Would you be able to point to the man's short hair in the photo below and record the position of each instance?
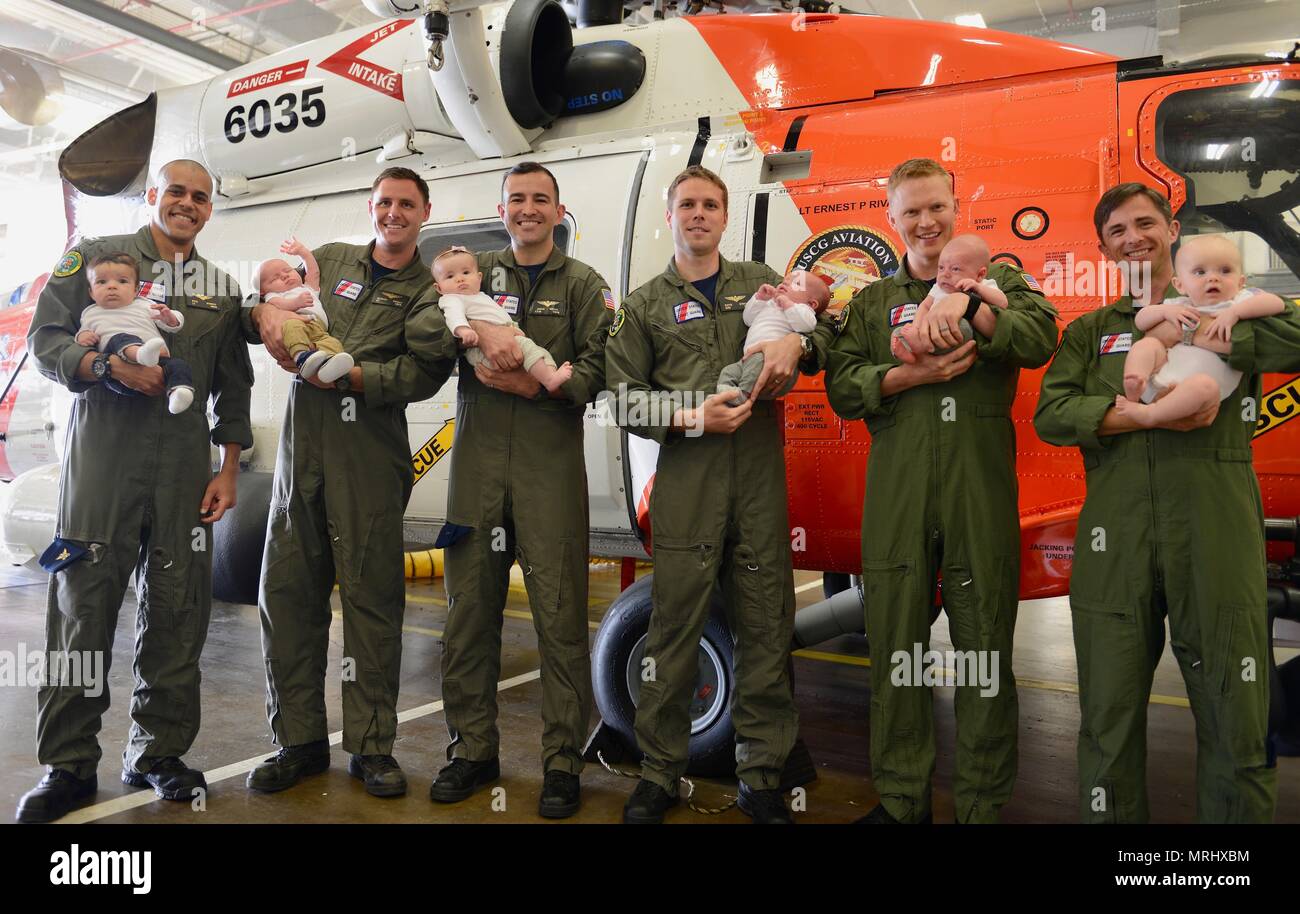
(1120, 194)
(698, 171)
(159, 176)
(912, 169)
(398, 173)
(531, 168)
(117, 257)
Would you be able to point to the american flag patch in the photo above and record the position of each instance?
(608, 296)
(510, 303)
(903, 314)
(1031, 282)
(1115, 342)
(153, 291)
(348, 289)
(687, 311)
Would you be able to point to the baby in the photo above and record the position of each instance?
(127, 326)
(456, 273)
(1165, 378)
(963, 267)
(316, 353)
(773, 312)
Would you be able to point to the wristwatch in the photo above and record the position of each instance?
(972, 307)
(343, 383)
(100, 368)
(805, 347)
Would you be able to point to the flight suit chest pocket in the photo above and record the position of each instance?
(547, 324)
(1106, 378)
(681, 354)
(196, 341)
(378, 326)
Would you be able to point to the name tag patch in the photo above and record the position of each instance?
(391, 299)
(510, 303)
(732, 302)
(349, 289)
(903, 314)
(153, 291)
(688, 310)
(206, 302)
(547, 307)
(1115, 342)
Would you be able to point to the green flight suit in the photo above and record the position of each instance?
(343, 477)
(940, 499)
(1172, 525)
(131, 486)
(519, 479)
(718, 514)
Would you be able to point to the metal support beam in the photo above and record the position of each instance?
(150, 32)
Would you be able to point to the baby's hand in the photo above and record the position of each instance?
(1221, 329)
(293, 246)
(166, 315)
(765, 292)
(1180, 315)
(294, 302)
(969, 286)
(468, 338)
(88, 338)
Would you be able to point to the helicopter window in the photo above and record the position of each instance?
(1238, 147)
(479, 237)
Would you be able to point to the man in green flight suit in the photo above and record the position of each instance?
(1172, 526)
(940, 499)
(138, 494)
(343, 477)
(518, 491)
(718, 507)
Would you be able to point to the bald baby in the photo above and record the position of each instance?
(963, 268)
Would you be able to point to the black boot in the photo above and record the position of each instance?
(765, 807)
(170, 778)
(648, 804)
(289, 766)
(58, 793)
(457, 781)
(382, 775)
(560, 795)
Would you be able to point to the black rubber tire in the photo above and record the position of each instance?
(239, 539)
(713, 750)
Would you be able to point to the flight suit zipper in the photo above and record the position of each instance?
(1155, 512)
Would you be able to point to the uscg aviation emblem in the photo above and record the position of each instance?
(847, 257)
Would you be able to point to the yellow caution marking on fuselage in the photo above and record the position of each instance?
(433, 450)
(1279, 405)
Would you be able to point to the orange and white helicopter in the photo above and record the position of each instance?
(803, 115)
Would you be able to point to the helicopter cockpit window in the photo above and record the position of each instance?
(478, 237)
(1238, 147)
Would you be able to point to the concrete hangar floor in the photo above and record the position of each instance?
(832, 696)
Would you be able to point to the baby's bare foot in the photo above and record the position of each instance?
(1135, 411)
(559, 377)
(1134, 385)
